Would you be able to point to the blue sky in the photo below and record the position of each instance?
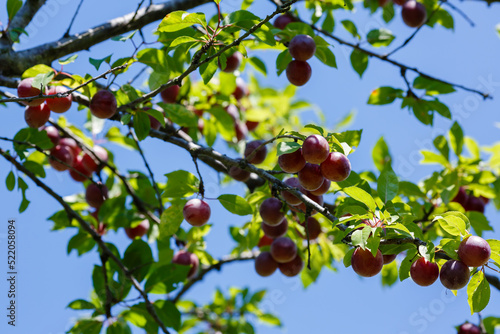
(49, 279)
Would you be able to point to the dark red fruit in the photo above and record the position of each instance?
(187, 259)
(474, 251)
(336, 167)
(71, 143)
(298, 72)
(241, 130)
(323, 189)
(365, 264)
(53, 134)
(103, 104)
(414, 14)
(196, 212)
(484, 199)
(241, 89)
(59, 104)
(282, 21)
(264, 241)
(96, 194)
(25, 89)
(239, 174)
(275, 231)
(314, 228)
(292, 162)
(265, 265)
(292, 268)
(251, 125)
(315, 149)
(382, 3)
(288, 196)
(64, 154)
(310, 177)
(469, 328)
(169, 94)
(283, 250)
(37, 116)
(138, 231)
(88, 161)
(399, 2)
(155, 124)
(389, 258)
(78, 167)
(454, 274)
(233, 62)
(424, 272)
(474, 204)
(302, 47)
(259, 155)
(461, 197)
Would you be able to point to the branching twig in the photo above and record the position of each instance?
(66, 34)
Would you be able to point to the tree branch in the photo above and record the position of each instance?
(23, 18)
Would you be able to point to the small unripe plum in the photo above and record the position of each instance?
(288, 196)
(310, 177)
(389, 258)
(37, 116)
(251, 125)
(138, 231)
(71, 143)
(239, 174)
(312, 227)
(241, 130)
(275, 231)
(365, 264)
(265, 265)
(196, 212)
(298, 72)
(424, 272)
(241, 89)
(469, 328)
(187, 259)
(282, 21)
(25, 89)
(78, 167)
(103, 104)
(59, 104)
(315, 149)
(265, 241)
(88, 161)
(454, 274)
(302, 47)
(336, 167)
(474, 204)
(260, 155)
(233, 62)
(325, 186)
(292, 162)
(96, 194)
(474, 251)
(270, 211)
(414, 13)
(170, 94)
(64, 154)
(292, 268)
(53, 134)
(283, 250)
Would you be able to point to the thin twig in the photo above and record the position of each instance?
(66, 34)
(460, 12)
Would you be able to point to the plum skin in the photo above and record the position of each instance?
(196, 212)
(454, 274)
(365, 264)
(474, 251)
(138, 231)
(423, 272)
(265, 265)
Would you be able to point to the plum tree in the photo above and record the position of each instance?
(103, 104)
(474, 251)
(454, 274)
(138, 230)
(365, 264)
(196, 212)
(186, 258)
(424, 272)
(302, 47)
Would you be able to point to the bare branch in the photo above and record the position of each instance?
(23, 17)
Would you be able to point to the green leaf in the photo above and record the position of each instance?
(441, 144)
(207, 70)
(97, 62)
(389, 274)
(495, 250)
(270, 319)
(384, 95)
(387, 185)
(362, 196)
(380, 37)
(35, 70)
(43, 80)
(10, 181)
(478, 292)
(171, 219)
(168, 313)
(138, 257)
(119, 326)
(404, 268)
(282, 61)
(235, 204)
(258, 64)
(86, 326)
(359, 61)
(456, 138)
(433, 158)
(68, 60)
(179, 20)
(351, 27)
(432, 87)
(81, 304)
(13, 7)
(320, 130)
(479, 222)
(180, 184)
(453, 225)
(123, 38)
(286, 147)
(380, 155)
(329, 22)
(348, 256)
(183, 39)
(82, 242)
(180, 115)
(142, 125)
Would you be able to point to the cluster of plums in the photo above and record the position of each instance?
(301, 48)
(470, 202)
(473, 251)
